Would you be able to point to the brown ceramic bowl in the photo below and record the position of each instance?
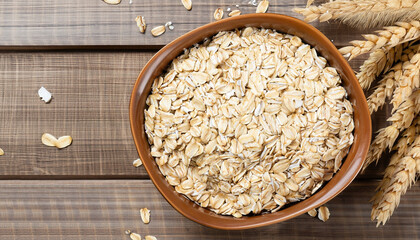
(281, 23)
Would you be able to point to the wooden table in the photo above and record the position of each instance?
(88, 54)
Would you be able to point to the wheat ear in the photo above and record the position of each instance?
(309, 3)
(388, 38)
(384, 89)
(407, 138)
(401, 119)
(409, 80)
(402, 176)
(379, 61)
(363, 13)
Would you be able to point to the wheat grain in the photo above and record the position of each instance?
(309, 3)
(401, 119)
(386, 39)
(384, 89)
(379, 61)
(403, 175)
(363, 13)
(409, 79)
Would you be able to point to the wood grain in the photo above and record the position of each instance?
(104, 209)
(94, 23)
(91, 92)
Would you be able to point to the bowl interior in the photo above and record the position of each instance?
(350, 167)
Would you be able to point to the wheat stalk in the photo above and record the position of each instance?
(363, 13)
(379, 61)
(401, 147)
(409, 80)
(404, 77)
(386, 39)
(384, 89)
(401, 119)
(402, 176)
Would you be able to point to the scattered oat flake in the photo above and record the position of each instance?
(159, 30)
(135, 236)
(312, 212)
(137, 162)
(323, 213)
(262, 6)
(235, 13)
(1, 152)
(44, 95)
(145, 215)
(141, 23)
(187, 4)
(253, 2)
(218, 14)
(150, 237)
(112, 2)
(64, 141)
(51, 141)
(169, 25)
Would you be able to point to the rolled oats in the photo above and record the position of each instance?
(187, 4)
(249, 121)
(235, 13)
(145, 215)
(262, 6)
(157, 31)
(218, 14)
(141, 23)
(323, 213)
(135, 236)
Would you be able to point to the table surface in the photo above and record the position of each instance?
(89, 54)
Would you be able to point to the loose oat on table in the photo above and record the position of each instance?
(45, 95)
(112, 2)
(323, 213)
(62, 142)
(150, 237)
(1, 152)
(141, 23)
(312, 213)
(145, 215)
(218, 14)
(159, 30)
(248, 121)
(235, 13)
(187, 4)
(262, 6)
(135, 236)
(137, 162)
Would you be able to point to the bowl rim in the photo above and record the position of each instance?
(201, 215)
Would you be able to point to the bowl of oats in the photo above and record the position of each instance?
(249, 121)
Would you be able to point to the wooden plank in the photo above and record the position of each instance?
(79, 22)
(104, 209)
(91, 93)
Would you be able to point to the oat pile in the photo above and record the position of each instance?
(248, 121)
